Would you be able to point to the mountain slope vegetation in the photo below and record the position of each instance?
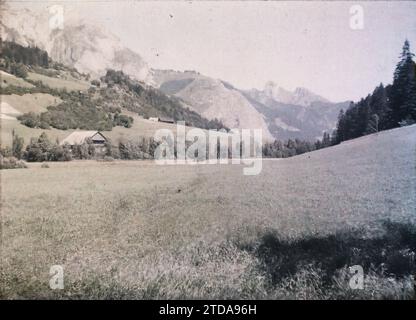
(148, 101)
(99, 106)
(387, 107)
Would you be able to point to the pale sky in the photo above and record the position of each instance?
(307, 44)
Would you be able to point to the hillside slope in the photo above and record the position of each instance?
(295, 114)
(212, 98)
(281, 114)
(58, 99)
(109, 216)
(361, 181)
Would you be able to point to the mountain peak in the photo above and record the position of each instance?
(302, 90)
(300, 96)
(273, 91)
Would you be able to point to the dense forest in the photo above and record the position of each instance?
(386, 108)
(16, 58)
(33, 56)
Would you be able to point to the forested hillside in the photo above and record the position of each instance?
(387, 107)
(149, 102)
(99, 107)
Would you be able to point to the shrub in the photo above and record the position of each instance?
(85, 150)
(41, 149)
(60, 153)
(38, 149)
(111, 151)
(19, 70)
(44, 165)
(96, 83)
(108, 159)
(130, 150)
(122, 120)
(6, 151)
(17, 145)
(30, 119)
(11, 163)
(407, 122)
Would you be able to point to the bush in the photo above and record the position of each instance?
(407, 122)
(290, 148)
(41, 149)
(6, 151)
(19, 70)
(17, 145)
(96, 83)
(11, 163)
(122, 120)
(111, 151)
(108, 159)
(30, 119)
(44, 165)
(84, 151)
(140, 150)
(60, 153)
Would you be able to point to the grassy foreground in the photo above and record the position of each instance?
(138, 230)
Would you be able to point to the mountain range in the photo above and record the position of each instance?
(87, 47)
(91, 49)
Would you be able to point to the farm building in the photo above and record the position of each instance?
(80, 137)
(167, 120)
(162, 119)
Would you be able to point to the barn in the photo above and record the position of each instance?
(162, 119)
(166, 120)
(81, 137)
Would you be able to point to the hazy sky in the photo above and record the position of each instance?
(309, 44)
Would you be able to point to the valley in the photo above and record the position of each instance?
(122, 230)
(107, 114)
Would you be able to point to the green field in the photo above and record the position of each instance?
(67, 82)
(139, 129)
(133, 229)
(8, 79)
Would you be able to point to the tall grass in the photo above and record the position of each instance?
(266, 267)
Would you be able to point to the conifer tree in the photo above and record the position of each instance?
(402, 96)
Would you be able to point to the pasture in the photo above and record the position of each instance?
(134, 229)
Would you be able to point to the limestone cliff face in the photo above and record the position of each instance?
(87, 47)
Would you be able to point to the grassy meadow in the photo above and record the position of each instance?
(134, 229)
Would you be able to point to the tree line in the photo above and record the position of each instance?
(41, 149)
(16, 58)
(386, 108)
(33, 56)
(289, 148)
